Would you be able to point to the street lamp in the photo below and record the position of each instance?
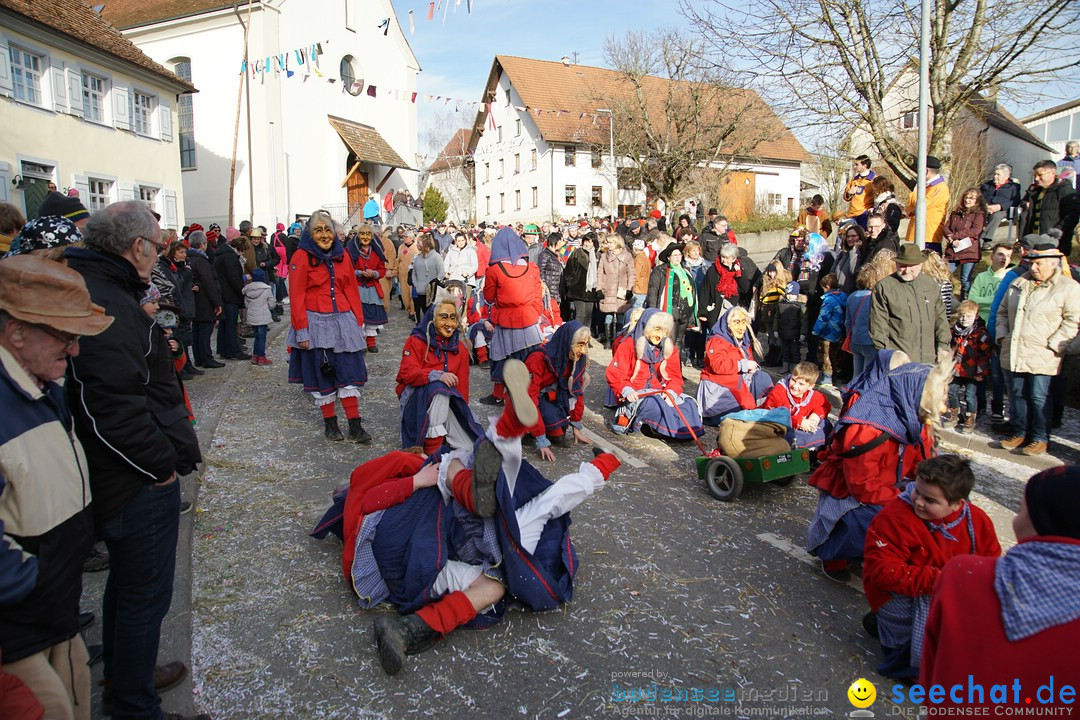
(614, 171)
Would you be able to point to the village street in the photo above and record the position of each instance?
(674, 587)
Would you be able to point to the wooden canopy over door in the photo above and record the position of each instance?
(737, 193)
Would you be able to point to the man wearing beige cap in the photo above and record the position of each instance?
(45, 514)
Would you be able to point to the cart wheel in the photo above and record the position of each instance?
(724, 479)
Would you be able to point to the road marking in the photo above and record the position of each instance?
(790, 548)
(617, 451)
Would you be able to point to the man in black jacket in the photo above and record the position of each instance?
(1001, 194)
(134, 426)
(1050, 204)
(230, 272)
(207, 300)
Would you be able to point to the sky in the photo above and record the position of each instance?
(456, 48)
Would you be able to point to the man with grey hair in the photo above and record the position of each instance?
(207, 300)
(1002, 194)
(130, 416)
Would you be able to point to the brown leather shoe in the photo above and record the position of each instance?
(1012, 443)
(1035, 448)
(166, 677)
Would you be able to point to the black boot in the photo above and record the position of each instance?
(357, 433)
(397, 637)
(333, 432)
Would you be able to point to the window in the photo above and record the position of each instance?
(571, 195)
(186, 120)
(596, 157)
(535, 197)
(142, 112)
(350, 79)
(1058, 130)
(775, 199)
(99, 193)
(517, 199)
(350, 15)
(517, 163)
(517, 128)
(26, 75)
(507, 99)
(502, 202)
(570, 156)
(500, 133)
(487, 172)
(148, 195)
(487, 205)
(909, 120)
(93, 93)
(532, 160)
(502, 167)
(597, 195)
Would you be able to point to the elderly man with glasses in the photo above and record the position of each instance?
(134, 426)
(45, 514)
(1050, 204)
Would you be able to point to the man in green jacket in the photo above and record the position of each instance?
(906, 311)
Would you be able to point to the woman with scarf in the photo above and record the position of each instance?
(645, 375)
(369, 266)
(732, 378)
(1013, 619)
(671, 290)
(578, 285)
(615, 279)
(557, 387)
(326, 340)
(433, 382)
(883, 432)
(514, 293)
(721, 285)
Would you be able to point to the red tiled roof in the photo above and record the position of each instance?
(577, 89)
(455, 152)
(77, 20)
(132, 13)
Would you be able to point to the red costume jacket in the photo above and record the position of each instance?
(310, 288)
(965, 636)
(622, 365)
(541, 377)
(474, 311)
(483, 257)
(376, 485)
(778, 398)
(871, 476)
(722, 367)
(371, 262)
(515, 294)
(418, 359)
(902, 556)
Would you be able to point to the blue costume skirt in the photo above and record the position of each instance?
(476, 329)
(414, 416)
(497, 365)
(374, 314)
(309, 368)
(838, 529)
(717, 400)
(556, 411)
(654, 411)
(802, 439)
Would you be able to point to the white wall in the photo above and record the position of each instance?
(1058, 129)
(299, 160)
(1002, 147)
(57, 135)
(458, 192)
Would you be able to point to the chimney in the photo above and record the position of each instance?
(566, 60)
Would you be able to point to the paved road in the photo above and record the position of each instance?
(675, 588)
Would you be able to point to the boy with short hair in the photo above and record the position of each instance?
(809, 408)
(907, 545)
(971, 350)
(830, 326)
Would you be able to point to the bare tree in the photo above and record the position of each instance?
(835, 61)
(676, 115)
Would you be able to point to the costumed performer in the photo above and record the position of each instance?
(732, 378)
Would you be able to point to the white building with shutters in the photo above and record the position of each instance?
(82, 107)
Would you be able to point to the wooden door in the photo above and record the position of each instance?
(737, 195)
(357, 188)
(34, 192)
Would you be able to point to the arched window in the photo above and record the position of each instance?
(185, 117)
(352, 78)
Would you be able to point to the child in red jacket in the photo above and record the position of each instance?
(809, 408)
(971, 348)
(908, 544)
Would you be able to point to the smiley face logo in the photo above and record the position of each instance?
(862, 693)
